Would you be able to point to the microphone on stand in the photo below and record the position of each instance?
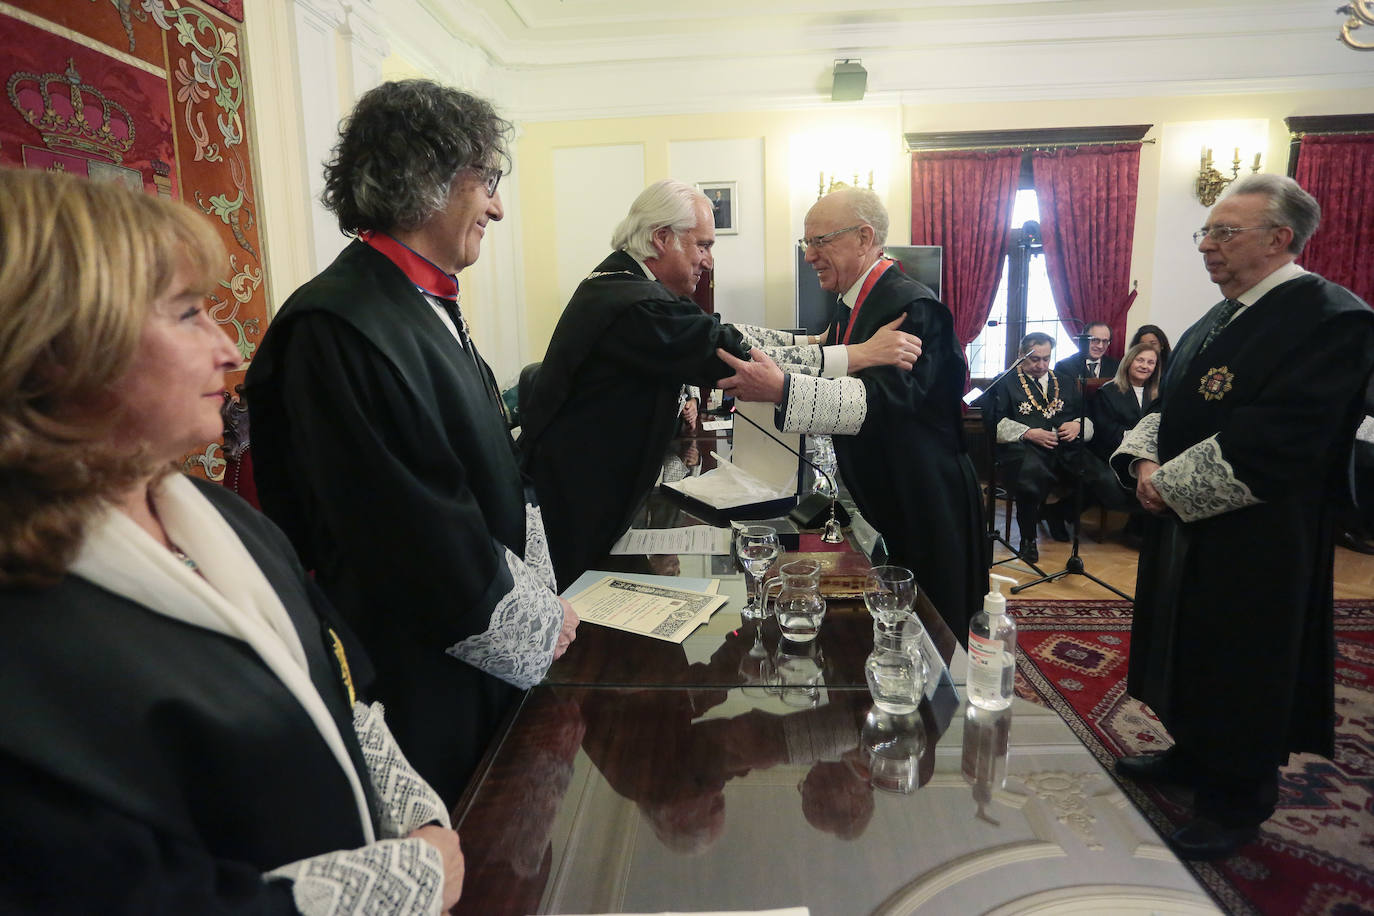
(832, 533)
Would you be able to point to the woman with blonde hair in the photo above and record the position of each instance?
(180, 732)
(1121, 402)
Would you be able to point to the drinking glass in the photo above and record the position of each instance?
(889, 592)
(757, 548)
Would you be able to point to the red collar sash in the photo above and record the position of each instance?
(864, 290)
(421, 271)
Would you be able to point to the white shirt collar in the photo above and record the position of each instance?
(851, 294)
(642, 266)
(1282, 275)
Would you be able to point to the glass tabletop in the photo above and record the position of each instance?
(603, 800)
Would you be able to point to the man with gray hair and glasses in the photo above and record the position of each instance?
(1243, 463)
(608, 394)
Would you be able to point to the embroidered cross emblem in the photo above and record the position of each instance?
(1216, 383)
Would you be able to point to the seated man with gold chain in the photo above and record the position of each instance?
(1038, 426)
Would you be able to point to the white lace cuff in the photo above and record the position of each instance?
(1200, 483)
(405, 801)
(537, 546)
(1141, 440)
(829, 406)
(1008, 430)
(397, 877)
(835, 361)
(518, 643)
(756, 336)
(797, 359)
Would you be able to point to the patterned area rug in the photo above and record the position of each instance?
(1316, 854)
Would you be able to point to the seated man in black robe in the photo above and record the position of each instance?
(1092, 362)
(1038, 429)
(609, 391)
(379, 442)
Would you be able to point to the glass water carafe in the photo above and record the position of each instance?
(799, 606)
(895, 669)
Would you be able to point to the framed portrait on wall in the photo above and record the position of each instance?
(724, 198)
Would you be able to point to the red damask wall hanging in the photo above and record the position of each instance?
(149, 93)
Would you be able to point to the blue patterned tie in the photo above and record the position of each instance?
(1223, 318)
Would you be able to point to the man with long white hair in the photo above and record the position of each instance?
(607, 397)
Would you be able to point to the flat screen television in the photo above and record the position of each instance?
(813, 306)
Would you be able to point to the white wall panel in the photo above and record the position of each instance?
(593, 188)
(739, 258)
(1182, 293)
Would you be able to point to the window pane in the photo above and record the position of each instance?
(1041, 314)
(987, 353)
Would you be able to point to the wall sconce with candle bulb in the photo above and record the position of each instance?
(836, 183)
(1210, 182)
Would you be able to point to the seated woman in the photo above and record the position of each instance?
(180, 734)
(1152, 335)
(1120, 403)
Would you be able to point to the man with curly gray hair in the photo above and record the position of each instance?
(379, 444)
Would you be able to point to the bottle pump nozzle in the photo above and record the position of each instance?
(994, 602)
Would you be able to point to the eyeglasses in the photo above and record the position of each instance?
(1223, 233)
(490, 177)
(1104, 341)
(820, 241)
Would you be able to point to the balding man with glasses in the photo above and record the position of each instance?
(1243, 462)
(898, 431)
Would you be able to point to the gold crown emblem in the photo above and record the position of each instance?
(71, 114)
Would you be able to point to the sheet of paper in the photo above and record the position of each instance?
(693, 539)
(662, 612)
(687, 583)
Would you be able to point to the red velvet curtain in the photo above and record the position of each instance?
(1087, 201)
(962, 200)
(1338, 170)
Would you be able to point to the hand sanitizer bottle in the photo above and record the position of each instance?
(992, 651)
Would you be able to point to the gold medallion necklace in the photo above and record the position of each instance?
(1034, 394)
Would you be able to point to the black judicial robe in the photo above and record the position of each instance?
(907, 467)
(604, 405)
(379, 448)
(1232, 642)
(1112, 414)
(148, 765)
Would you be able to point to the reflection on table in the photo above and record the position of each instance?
(641, 800)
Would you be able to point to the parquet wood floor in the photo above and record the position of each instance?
(1114, 561)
